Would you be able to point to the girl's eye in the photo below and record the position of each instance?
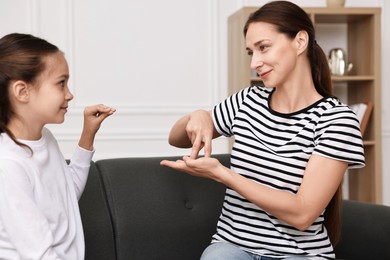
(250, 53)
(62, 83)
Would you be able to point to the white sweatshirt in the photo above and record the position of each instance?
(39, 212)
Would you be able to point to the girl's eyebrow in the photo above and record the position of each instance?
(66, 76)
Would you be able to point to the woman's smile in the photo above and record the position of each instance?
(265, 74)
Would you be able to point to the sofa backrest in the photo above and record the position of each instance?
(133, 208)
(156, 212)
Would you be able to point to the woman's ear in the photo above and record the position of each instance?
(20, 91)
(301, 41)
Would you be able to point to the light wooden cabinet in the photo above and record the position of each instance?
(362, 84)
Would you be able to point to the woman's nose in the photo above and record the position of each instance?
(256, 61)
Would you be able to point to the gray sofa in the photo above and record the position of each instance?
(133, 208)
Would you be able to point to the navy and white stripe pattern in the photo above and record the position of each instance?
(273, 149)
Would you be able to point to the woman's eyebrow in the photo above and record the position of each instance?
(256, 44)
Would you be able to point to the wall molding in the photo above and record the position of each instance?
(157, 110)
(139, 134)
(213, 94)
(117, 135)
(386, 133)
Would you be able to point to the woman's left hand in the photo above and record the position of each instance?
(205, 167)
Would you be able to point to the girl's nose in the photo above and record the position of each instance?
(69, 95)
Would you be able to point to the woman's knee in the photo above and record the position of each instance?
(224, 251)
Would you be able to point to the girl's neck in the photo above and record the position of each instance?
(23, 131)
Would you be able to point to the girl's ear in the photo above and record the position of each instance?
(301, 41)
(20, 91)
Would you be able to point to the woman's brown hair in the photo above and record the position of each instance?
(289, 19)
(21, 58)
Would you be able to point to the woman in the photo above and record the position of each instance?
(293, 144)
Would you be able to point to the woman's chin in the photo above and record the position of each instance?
(268, 84)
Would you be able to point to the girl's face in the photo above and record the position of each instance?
(50, 96)
(273, 54)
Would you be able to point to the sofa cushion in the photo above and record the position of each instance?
(157, 212)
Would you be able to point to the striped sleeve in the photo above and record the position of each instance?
(338, 137)
(224, 112)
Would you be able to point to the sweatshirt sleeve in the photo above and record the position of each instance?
(79, 167)
(21, 222)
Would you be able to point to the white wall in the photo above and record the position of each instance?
(152, 60)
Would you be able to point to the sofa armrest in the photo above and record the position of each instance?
(95, 215)
(365, 232)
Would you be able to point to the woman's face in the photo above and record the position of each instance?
(273, 54)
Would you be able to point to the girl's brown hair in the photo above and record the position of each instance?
(21, 58)
(289, 19)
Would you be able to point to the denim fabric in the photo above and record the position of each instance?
(227, 251)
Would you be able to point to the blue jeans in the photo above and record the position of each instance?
(227, 251)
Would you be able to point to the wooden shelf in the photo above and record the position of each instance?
(335, 79)
(352, 78)
(340, 15)
(362, 84)
(368, 142)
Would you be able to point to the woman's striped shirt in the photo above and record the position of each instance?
(273, 149)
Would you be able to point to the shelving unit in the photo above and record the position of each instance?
(362, 84)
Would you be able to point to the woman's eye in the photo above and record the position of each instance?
(62, 83)
(263, 47)
(250, 53)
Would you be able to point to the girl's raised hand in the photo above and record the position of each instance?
(93, 117)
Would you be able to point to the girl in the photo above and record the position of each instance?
(293, 143)
(39, 191)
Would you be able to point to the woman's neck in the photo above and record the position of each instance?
(292, 97)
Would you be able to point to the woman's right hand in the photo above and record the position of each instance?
(195, 130)
(200, 131)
